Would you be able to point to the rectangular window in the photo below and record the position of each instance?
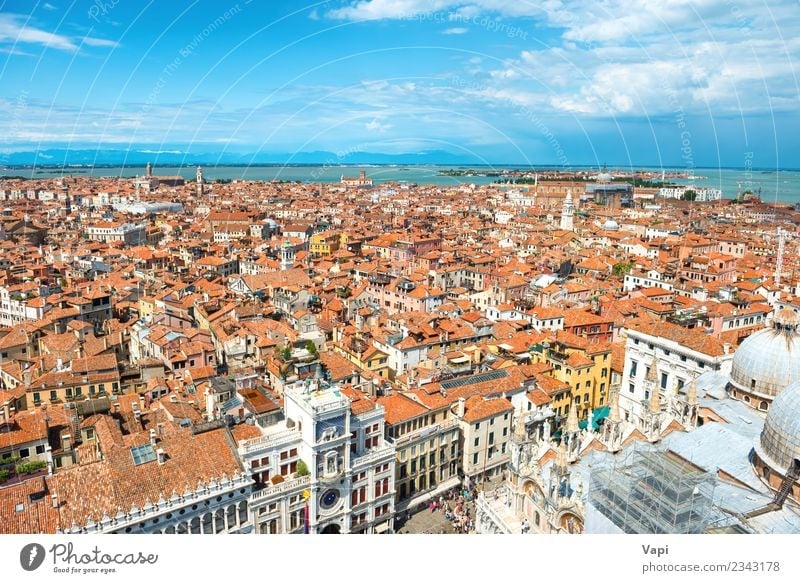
(477, 441)
(634, 366)
(491, 438)
(664, 379)
(475, 458)
(631, 388)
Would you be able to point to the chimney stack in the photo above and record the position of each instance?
(152, 437)
(461, 407)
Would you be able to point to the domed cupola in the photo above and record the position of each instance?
(778, 450)
(767, 362)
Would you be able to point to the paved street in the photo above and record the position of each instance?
(427, 522)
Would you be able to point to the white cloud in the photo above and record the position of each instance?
(378, 127)
(14, 31)
(99, 42)
(388, 9)
(456, 30)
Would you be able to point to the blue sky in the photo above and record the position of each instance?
(623, 82)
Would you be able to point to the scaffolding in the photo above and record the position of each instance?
(652, 491)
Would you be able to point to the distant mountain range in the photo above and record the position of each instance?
(64, 157)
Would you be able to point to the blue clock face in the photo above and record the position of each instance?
(329, 498)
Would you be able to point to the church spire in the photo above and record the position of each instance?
(691, 395)
(567, 212)
(652, 371)
(614, 416)
(655, 401)
(572, 421)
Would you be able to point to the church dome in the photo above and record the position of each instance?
(768, 361)
(604, 177)
(780, 438)
(611, 225)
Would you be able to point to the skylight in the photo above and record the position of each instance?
(143, 454)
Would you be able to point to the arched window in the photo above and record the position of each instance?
(232, 515)
(183, 528)
(330, 463)
(169, 530)
(208, 526)
(536, 518)
(219, 520)
(763, 405)
(242, 512)
(766, 473)
(195, 525)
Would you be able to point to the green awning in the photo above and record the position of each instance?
(598, 414)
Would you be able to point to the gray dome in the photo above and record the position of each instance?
(780, 439)
(768, 361)
(611, 225)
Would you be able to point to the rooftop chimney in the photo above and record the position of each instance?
(152, 436)
(460, 407)
(162, 456)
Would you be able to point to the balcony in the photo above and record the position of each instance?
(289, 485)
(558, 355)
(270, 441)
(373, 457)
(498, 513)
